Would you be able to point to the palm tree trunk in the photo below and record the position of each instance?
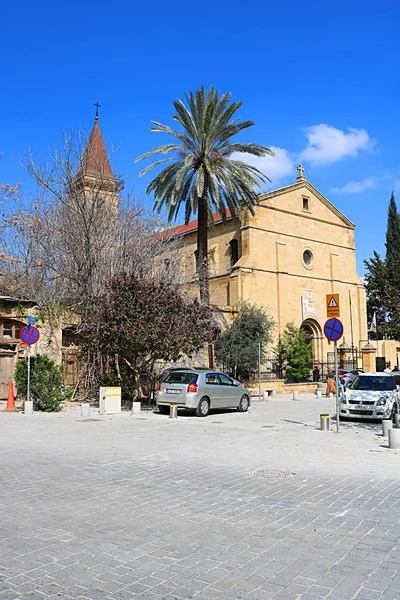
(202, 248)
(202, 260)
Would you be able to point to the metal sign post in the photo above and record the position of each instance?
(337, 389)
(29, 335)
(28, 387)
(333, 330)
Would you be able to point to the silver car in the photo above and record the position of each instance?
(372, 396)
(201, 391)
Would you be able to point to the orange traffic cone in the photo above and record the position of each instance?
(10, 399)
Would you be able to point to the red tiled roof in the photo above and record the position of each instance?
(95, 158)
(192, 225)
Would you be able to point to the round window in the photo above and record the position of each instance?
(307, 257)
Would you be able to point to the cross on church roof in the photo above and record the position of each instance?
(97, 105)
(300, 176)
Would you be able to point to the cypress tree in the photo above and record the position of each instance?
(379, 293)
(382, 279)
(393, 244)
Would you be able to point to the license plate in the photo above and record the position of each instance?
(167, 391)
(363, 407)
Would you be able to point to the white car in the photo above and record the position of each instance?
(372, 396)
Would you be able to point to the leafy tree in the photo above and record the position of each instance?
(279, 364)
(293, 349)
(45, 383)
(237, 347)
(202, 174)
(138, 321)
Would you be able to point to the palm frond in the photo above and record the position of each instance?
(155, 164)
(254, 149)
(165, 149)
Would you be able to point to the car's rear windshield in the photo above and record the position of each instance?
(181, 377)
(373, 383)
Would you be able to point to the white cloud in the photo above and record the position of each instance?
(355, 187)
(275, 167)
(327, 144)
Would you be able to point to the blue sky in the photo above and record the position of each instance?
(320, 80)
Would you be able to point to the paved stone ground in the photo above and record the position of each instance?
(124, 507)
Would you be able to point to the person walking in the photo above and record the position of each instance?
(315, 374)
(330, 386)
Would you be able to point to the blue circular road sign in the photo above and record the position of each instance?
(333, 329)
(29, 335)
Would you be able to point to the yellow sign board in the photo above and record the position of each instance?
(332, 305)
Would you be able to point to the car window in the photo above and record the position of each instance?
(213, 379)
(363, 382)
(397, 378)
(185, 377)
(225, 380)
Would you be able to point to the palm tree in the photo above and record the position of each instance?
(202, 175)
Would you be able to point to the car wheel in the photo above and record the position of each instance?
(203, 408)
(164, 410)
(244, 403)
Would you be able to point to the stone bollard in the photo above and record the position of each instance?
(295, 395)
(397, 421)
(394, 439)
(28, 407)
(318, 394)
(85, 410)
(386, 425)
(136, 408)
(265, 396)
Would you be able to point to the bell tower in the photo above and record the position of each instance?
(95, 178)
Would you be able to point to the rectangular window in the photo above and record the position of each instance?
(184, 378)
(305, 204)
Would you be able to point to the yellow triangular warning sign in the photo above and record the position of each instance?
(332, 303)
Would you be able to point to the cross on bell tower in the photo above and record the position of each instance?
(97, 105)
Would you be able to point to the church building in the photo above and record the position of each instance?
(296, 249)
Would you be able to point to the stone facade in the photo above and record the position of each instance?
(296, 246)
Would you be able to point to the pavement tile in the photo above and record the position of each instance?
(142, 517)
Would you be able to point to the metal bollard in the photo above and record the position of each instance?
(173, 411)
(324, 422)
(295, 395)
(397, 420)
(386, 425)
(318, 394)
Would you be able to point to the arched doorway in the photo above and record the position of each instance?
(313, 334)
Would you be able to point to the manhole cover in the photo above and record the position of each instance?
(89, 420)
(267, 426)
(272, 473)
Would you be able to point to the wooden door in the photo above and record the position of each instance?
(7, 365)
